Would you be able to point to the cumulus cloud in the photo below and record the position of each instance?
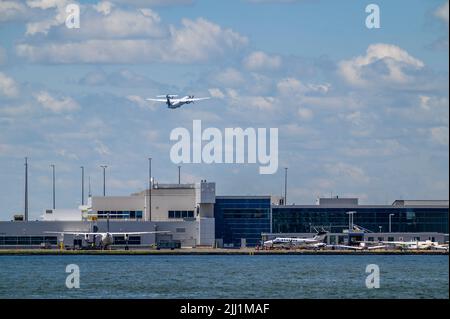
(440, 135)
(293, 87)
(195, 41)
(65, 104)
(305, 114)
(142, 103)
(8, 87)
(354, 173)
(259, 61)
(442, 12)
(382, 62)
(12, 10)
(145, 3)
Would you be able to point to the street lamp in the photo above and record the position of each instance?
(285, 185)
(82, 185)
(54, 192)
(104, 179)
(390, 221)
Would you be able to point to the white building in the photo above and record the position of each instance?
(185, 210)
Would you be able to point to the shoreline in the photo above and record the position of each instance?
(207, 251)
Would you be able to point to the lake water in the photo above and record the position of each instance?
(224, 277)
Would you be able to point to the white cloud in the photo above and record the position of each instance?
(216, 93)
(305, 114)
(104, 7)
(362, 70)
(101, 148)
(199, 39)
(229, 77)
(8, 87)
(442, 12)
(11, 10)
(43, 26)
(142, 103)
(440, 135)
(117, 23)
(195, 41)
(354, 173)
(294, 87)
(66, 104)
(146, 3)
(259, 61)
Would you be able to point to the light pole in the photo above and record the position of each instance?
(149, 192)
(82, 185)
(285, 185)
(390, 221)
(104, 179)
(54, 192)
(26, 189)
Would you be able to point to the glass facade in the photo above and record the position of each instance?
(27, 240)
(241, 217)
(176, 214)
(120, 214)
(405, 219)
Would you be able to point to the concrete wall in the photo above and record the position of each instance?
(164, 200)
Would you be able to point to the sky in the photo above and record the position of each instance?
(360, 112)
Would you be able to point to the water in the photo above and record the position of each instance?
(224, 277)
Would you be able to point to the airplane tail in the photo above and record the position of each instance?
(320, 236)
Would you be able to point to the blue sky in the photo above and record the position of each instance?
(360, 112)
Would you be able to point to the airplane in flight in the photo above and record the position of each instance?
(106, 238)
(317, 241)
(173, 102)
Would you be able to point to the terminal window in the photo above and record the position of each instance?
(172, 214)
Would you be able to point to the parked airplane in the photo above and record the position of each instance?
(106, 238)
(173, 103)
(317, 241)
(361, 246)
(427, 244)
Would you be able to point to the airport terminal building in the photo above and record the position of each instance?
(193, 216)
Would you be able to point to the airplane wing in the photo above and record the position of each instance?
(70, 233)
(199, 99)
(157, 100)
(140, 232)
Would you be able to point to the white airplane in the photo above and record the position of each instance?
(427, 244)
(106, 238)
(173, 102)
(362, 246)
(316, 241)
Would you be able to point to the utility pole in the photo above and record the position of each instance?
(104, 179)
(82, 185)
(26, 189)
(54, 192)
(285, 185)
